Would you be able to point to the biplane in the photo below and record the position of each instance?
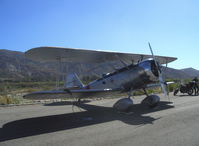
(139, 71)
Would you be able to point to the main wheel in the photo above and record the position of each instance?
(190, 92)
(123, 105)
(151, 101)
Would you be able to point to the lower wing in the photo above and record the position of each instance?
(74, 93)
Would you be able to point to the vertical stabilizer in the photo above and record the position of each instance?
(73, 80)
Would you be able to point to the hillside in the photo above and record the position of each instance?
(176, 74)
(191, 71)
(16, 67)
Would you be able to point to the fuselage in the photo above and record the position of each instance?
(129, 77)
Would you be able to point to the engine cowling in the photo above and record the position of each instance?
(151, 100)
(123, 104)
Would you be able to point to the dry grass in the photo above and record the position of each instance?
(8, 100)
(12, 92)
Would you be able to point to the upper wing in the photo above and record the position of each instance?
(87, 56)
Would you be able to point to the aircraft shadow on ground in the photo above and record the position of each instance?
(93, 115)
(184, 95)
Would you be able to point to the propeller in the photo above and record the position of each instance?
(161, 80)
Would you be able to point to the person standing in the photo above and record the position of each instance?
(196, 88)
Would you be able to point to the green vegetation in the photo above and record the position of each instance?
(12, 92)
(6, 87)
(149, 91)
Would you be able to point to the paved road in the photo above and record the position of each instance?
(98, 124)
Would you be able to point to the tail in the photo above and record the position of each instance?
(73, 80)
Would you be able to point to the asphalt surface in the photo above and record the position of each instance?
(97, 124)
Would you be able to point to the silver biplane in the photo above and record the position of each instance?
(139, 72)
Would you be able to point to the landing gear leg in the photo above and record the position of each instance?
(130, 93)
(145, 92)
(79, 100)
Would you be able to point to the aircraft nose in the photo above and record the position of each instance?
(155, 68)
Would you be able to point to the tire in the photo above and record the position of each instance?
(175, 92)
(190, 92)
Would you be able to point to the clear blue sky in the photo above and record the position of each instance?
(172, 26)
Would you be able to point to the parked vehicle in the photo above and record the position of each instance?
(186, 88)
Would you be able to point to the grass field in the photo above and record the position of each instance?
(12, 92)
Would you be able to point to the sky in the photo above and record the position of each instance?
(171, 26)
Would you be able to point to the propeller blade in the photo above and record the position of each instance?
(161, 80)
(152, 53)
(163, 85)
